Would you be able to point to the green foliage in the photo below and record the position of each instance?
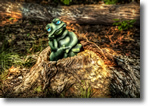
(85, 90)
(124, 25)
(111, 1)
(7, 59)
(28, 34)
(3, 75)
(66, 2)
(38, 89)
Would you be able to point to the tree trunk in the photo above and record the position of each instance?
(94, 72)
(80, 14)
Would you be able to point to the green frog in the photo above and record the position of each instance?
(62, 42)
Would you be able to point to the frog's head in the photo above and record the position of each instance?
(55, 28)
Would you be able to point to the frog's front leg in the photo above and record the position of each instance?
(54, 56)
(53, 44)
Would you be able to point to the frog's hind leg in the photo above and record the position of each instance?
(71, 54)
(65, 55)
(77, 48)
(52, 57)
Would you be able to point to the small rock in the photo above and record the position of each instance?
(10, 77)
(20, 77)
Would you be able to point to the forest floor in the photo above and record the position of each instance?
(21, 43)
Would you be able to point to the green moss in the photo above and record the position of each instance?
(38, 89)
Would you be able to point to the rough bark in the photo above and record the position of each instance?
(84, 75)
(84, 14)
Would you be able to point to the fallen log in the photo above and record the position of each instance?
(80, 14)
(84, 75)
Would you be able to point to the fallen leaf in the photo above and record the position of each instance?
(14, 70)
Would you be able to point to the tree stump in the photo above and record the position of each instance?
(85, 75)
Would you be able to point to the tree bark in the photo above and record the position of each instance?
(80, 14)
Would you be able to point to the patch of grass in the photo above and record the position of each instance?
(7, 59)
(85, 90)
(123, 24)
(111, 1)
(3, 75)
(65, 2)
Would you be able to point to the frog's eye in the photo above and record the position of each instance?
(58, 22)
(49, 29)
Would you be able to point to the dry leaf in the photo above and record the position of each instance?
(14, 70)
